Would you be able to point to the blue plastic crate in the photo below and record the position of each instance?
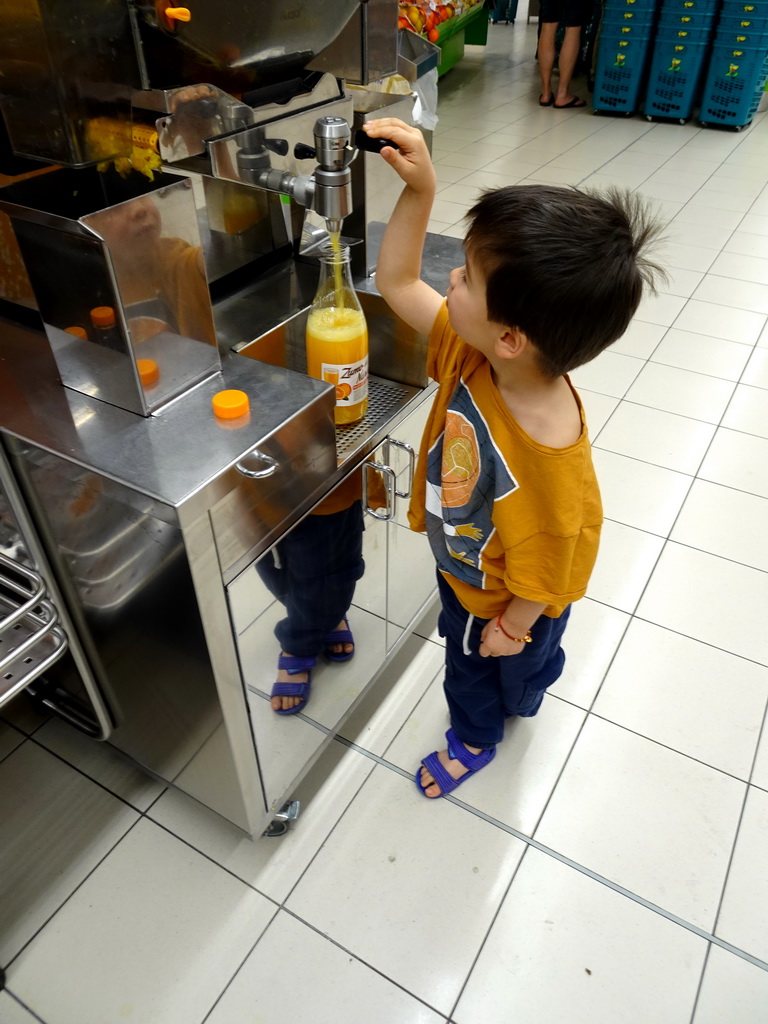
(690, 6)
(742, 22)
(733, 85)
(753, 9)
(683, 34)
(674, 79)
(687, 19)
(630, 5)
(736, 39)
(627, 18)
(620, 66)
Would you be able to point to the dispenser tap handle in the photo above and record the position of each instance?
(367, 144)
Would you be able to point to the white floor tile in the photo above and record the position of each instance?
(680, 282)
(756, 372)
(748, 411)
(609, 374)
(745, 900)
(747, 244)
(297, 976)
(660, 309)
(729, 292)
(613, 960)
(725, 522)
(733, 991)
(681, 391)
(57, 826)
(658, 437)
(11, 1012)
(713, 356)
(710, 599)
(393, 852)
(738, 460)
(639, 340)
(743, 268)
(720, 321)
(157, 931)
(638, 494)
(760, 770)
(516, 786)
(687, 257)
(640, 815)
(625, 561)
(670, 688)
(598, 409)
(593, 635)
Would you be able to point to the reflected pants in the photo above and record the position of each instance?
(483, 692)
(313, 572)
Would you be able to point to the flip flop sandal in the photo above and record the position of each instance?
(575, 102)
(457, 752)
(292, 666)
(338, 636)
(547, 103)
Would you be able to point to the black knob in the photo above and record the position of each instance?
(365, 142)
(304, 152)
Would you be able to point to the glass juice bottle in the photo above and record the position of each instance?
(337, 335)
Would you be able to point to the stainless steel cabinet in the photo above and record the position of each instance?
(397, 583)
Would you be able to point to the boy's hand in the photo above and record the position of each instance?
(411, 161)
(493, 643)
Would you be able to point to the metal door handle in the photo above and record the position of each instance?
(389, 484)
(411, 465)
(257, 474)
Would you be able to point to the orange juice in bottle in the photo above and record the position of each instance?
(337, 336)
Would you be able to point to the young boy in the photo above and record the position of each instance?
(505, 486)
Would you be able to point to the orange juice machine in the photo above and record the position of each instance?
(200, 156)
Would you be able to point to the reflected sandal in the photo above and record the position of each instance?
(457, 752)
(339, 636)
(292, 666)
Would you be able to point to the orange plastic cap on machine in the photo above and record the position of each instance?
(230, 404)
(149, 372)
(79, 332)
(103, 316)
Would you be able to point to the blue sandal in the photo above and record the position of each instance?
(293, 666)
(457, 752)
(338, 636)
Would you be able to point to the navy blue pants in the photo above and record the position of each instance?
(483, 692)
(313, 572)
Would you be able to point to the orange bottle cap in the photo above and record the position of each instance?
(103, 316)
(149, 372)
(228, 405)
(79, 332)
(178, 13)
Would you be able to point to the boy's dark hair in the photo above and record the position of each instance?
(565, 266)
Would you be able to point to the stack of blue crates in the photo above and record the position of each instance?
(623, 47)
(738, 65)
(683, 37)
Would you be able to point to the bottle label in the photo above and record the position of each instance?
(350, 380)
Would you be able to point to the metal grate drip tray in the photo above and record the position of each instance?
(385, 399)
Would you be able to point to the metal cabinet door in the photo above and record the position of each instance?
(286, 745)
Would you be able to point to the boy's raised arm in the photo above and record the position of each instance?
(398, 271)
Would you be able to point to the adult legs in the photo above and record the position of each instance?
(546, 55)
(569, 52)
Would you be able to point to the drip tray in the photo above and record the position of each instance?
(386, 399)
